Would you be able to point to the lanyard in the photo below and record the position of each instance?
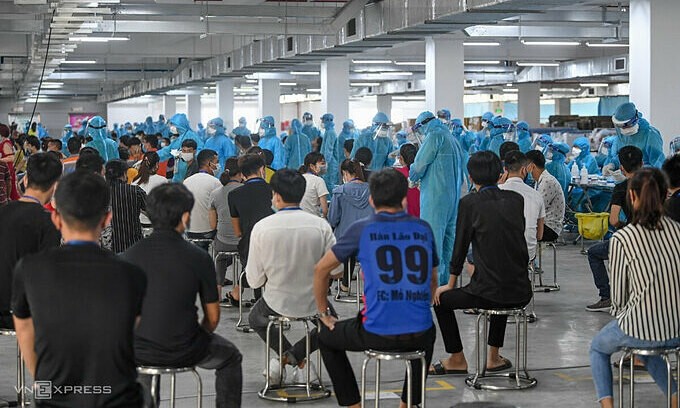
(233, 181)
(32, 198)
(488, 188)
(289, 209)
(77, 242)
(255, 180)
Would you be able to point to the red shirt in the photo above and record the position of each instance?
(412, 196)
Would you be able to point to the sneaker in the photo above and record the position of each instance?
(300, 373)
(275, 374)
(602, 306)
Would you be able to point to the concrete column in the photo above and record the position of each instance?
(563, 106)
(529, 103)
(653, 61)
(444, 75)
(225, 102)
(169, 106)
(268, 99)
(384, 104)
(194, 109)
(335, 88)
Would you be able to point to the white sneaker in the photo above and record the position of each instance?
(300, 373)
(275, 374)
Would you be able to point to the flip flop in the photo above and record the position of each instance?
(439, 369)
(626, 365)
(471, 311)
(506, 365)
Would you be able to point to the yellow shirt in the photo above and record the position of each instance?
(268, 173)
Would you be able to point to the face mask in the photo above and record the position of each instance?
(261, 132)
(187, 225)
(211, 131)
(187, 157)
(575, 151)
(629, 131)
(604, 151)
(323, 168)
(509, 136)
(485, 124)
(218, 168)
(173, 130)
(549, 155)
(163, 144)
(309, 123)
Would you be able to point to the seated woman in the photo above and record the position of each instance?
(645, 275)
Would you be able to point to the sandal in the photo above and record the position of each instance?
(626, 365)
(439, 369)
(234, 302)
(471, 311)
(506, 365)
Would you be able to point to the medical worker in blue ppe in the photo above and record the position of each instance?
(179, 127)
(543, 143)
(401, 138)
(556, 155)
(308, 127)
(116, 129)
(634, 130)
(162, 126)
(107, 148)
(269, 140)
(149, 127)
(378, 140)
(297, 146)
(483, 135)
(348, 132)
(523, 136)
(465, 138)
(127, 129)
(444, 116)
(502, 129)
(329, 148)
(66, 135)
(580, 152)
(219, 142)
(200, 131)
(438, 167)
(607, 152)
(83, 127)
(241, 129)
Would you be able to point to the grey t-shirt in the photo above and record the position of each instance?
(220, 202)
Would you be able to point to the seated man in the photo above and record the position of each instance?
(169, 333)
(553, 197)
(398, 256)
(75, 306)
(672, 169)
(630, 158)
(492, 220)
(291, 233)
(201, 185)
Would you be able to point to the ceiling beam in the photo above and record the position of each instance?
(197, 27)
(308, 10)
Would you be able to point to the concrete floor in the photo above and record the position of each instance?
(558, 354)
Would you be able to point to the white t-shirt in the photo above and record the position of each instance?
(201, 185)
(534, 209)
(315, 189)
(154, 181)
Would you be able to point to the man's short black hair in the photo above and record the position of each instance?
(364, 155)
(289, 184)
(166, 203)
(484, 168)
(152, 140)
(43, 170)
(268, 157)
(123, 153)
(57, 142)
(388, 188)
(133, 141)
(33, 141)
(82, 199)
(255, 138)
(250, 164)
(205, 156)
(124, 139)
(672, 169)
(89, 162)
(116, 169)
(73, 145)
(630, 158)
(244, 141)
(537, 158)
(514, 161)
(506, 148)
(190, 143)
(348, 145)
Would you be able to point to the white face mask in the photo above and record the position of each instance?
(309, 123)
(509, 136)
(629, 131)
(173, 130)
(549, 155)
(261, 132)
(187, 156)
(485, 124)
(575, 151)
(218, 168)
(604, 151)
(211, 131)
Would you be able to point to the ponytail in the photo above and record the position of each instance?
(354, 168)
(649, 186)
(408, 153)
(311, 159)
(146, 168)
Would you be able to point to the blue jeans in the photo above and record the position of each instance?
(597, 254)
(607, 342)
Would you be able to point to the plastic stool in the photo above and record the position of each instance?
(21, 372)
(313, 391)
(157, 372)
(521, 376)
(406, 357)
(632, 352)
(541, 287)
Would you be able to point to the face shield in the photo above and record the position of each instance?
(211, 130)
(604, 149)
(540, 143)
(383, 130)
(509, 133)
(675, 146)
(628, 127)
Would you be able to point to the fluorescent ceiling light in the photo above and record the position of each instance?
(251, 81)
(371, 61)
(510, 90)
(482, 62)
(288, 83)
(97, 39)
(482, 44)
(361, 84)
(606, 45)
(314, 90)
(397, 73)
(564, 43)
(413, 63)
(80, 62)
(593, 85)
(508, 85)
(538, 64)
(304, 73)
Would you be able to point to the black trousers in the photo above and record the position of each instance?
(6, 321)
(349, 266)
(349, 335)
(548, 235)
(459, 299)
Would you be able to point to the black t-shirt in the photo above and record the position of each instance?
(673, 207)
(493, 221)
(169, 333)
(84, 302)
(25, 228)
(619, 198)
(250, 203)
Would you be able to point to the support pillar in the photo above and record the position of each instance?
(563, 106)
(194, 109)
(653, 61)
(335, 88)
(169, 106)
(444, 75)
(384, 104)
(225, 102)
(529, 103)
(268, 99)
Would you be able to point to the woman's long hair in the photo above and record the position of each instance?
(353, 168)
(311, 159)
(147, 167)
(649, 186)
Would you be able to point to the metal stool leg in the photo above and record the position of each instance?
(172, 390)
(155, 380)
(409, 384)
(239, 324)
(669, 376)
(21, 379)
(423, 375)
(199, 388)
(377, 382)
(621, 364)
(363, 382)
(632, 381)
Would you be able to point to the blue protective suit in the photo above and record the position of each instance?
(219, 142)
(127, 130)
(83, 128)
(297, 146)
(523, 137)
(311, 131)
(328, 149)
(465, 139)
(270, 141)
(107, 148)
(348, 132)
(608, 152)
(68, 133)
(116, 129)
(149, 127)
(557, 166)
(648, 139)
(182, 123)
(500, 126)
(585, 159)
(380, 146)
(545, 141)
(241, 129)
(599, 199)
(200, 131)
(162, 127)
(439, 168)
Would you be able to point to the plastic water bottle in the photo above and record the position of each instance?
(584, 175)
(574, 172)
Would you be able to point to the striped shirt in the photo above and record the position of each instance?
(126, 204)
(645, 280)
